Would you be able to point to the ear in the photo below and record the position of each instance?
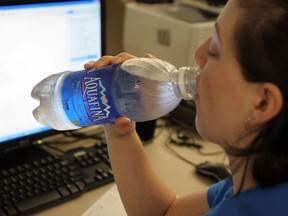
(268, 105)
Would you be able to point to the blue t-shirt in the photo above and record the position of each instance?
(252, 202)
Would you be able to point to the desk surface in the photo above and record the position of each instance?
(177, 174)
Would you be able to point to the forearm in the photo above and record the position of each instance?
(141, 191)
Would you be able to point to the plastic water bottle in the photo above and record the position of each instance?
(141, 89)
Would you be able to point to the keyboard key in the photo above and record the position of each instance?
(11, 210)
(37, 201)
(63, 191)
(78, 177)
(72, 188)
(2, 213)
(89, 181)
(5, 173)
(80, 185)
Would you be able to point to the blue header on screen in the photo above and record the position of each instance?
(42, 4)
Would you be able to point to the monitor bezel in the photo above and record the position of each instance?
(25, 141)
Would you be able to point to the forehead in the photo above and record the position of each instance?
(227, 20)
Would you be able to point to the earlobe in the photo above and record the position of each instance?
(269, 106)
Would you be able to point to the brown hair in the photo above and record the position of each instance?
(261, 47)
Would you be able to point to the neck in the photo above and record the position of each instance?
(242, 174)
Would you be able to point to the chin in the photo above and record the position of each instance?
(202, 130)
(201, 133)
(198, 128)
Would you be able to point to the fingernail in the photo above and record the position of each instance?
(149, 55)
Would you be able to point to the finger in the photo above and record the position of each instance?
(148, 55)
(121, 57)
(108, 59)
(89, 65)
(103, 61)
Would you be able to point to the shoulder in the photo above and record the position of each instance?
(256, 201)
(220, 191)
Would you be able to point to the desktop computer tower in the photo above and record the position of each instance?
(170, 32)
(167, 31)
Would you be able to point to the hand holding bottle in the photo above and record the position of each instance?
(108, 59)
(123, 125)
(141, 89)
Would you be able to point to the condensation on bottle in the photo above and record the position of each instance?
(141, 89)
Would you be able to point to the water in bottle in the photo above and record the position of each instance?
(141, 89)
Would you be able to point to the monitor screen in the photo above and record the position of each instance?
(38, 39)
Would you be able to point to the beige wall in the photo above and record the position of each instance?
(114, 25)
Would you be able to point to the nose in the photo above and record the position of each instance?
(201, 53)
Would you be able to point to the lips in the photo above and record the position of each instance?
(196, 88)
(196, 98)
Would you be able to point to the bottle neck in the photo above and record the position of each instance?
(184, 80)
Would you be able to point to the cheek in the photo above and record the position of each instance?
(209, 91)
(217, 108)
(206, 118)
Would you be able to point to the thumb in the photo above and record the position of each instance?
(122, 126)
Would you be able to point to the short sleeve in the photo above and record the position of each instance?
(219, 191)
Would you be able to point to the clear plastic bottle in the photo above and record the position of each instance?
(142, 89)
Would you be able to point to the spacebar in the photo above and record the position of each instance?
(37, 201)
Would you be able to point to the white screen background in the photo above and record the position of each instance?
(34, 43)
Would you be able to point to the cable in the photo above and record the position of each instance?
(55, 148)
(77, 134)
(210, 153)
(74, 135)
(175, 153)
(180, 137)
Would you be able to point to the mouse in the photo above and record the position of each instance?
(214, 171)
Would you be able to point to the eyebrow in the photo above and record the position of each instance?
(217, 30)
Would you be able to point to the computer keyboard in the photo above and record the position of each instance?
(30, 187)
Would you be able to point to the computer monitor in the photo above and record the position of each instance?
(37, 39)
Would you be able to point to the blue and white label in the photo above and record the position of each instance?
(87, 97)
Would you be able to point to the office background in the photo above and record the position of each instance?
(165, 158)
(169, 31)
(176, 173)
